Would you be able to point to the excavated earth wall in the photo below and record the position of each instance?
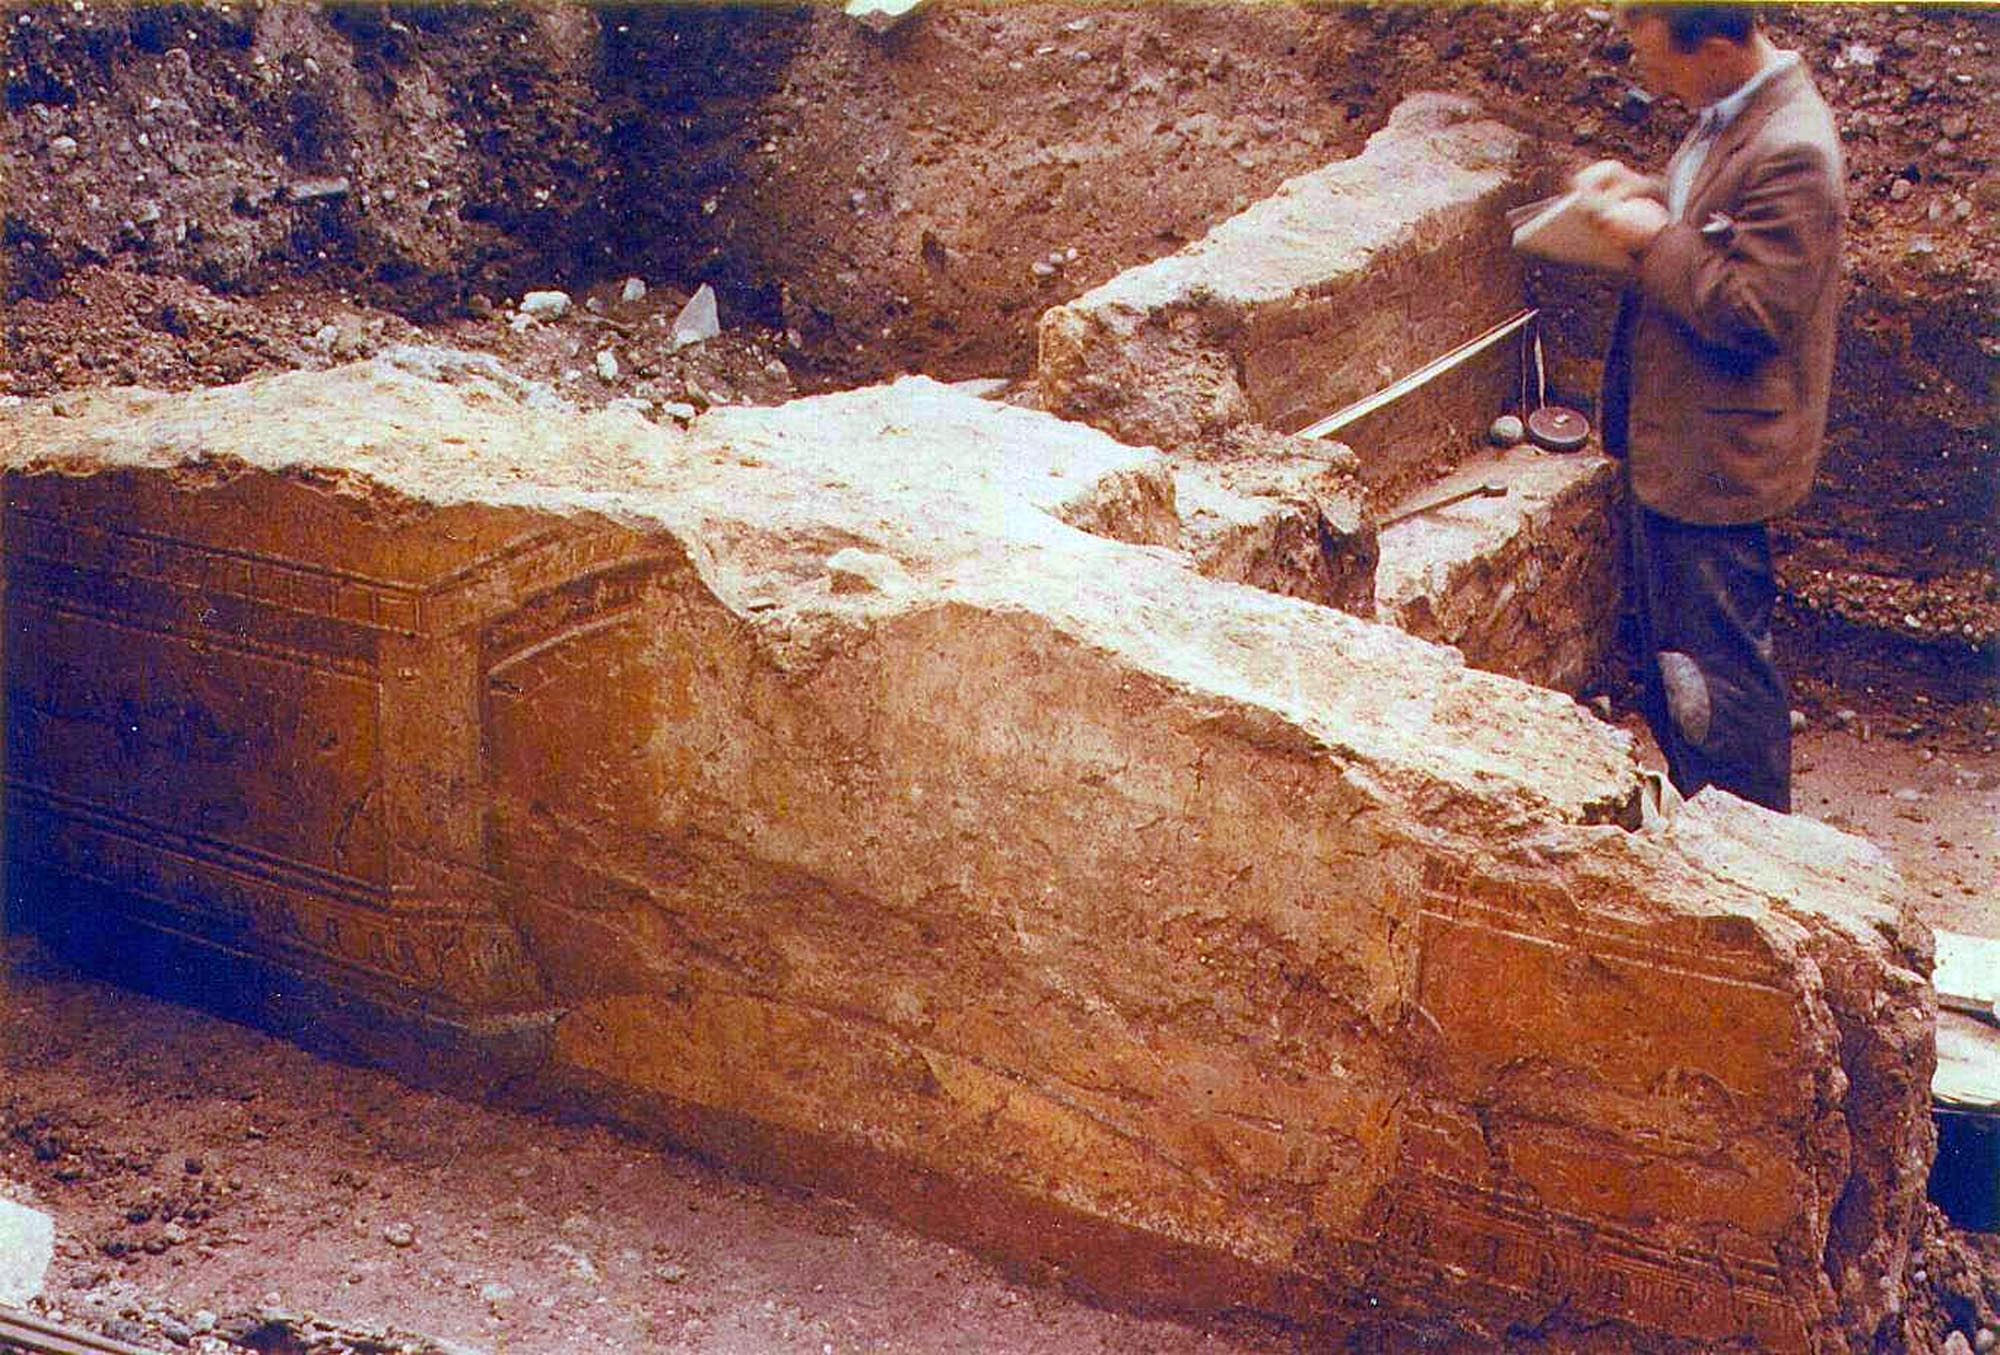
(811, 786)
(176, 166)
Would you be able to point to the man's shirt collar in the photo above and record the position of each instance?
(1727, 109)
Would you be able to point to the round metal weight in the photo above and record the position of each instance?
(1557, 428)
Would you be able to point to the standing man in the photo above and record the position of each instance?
(1715, 389)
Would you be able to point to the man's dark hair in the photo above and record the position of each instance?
(1688, 26)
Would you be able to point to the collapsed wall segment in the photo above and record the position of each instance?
(832, 803)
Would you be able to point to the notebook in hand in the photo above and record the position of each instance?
(1561, 230)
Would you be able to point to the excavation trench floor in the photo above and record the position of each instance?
(289, 1183)
(523, 1235)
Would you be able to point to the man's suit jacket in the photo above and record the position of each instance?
(1715, 389)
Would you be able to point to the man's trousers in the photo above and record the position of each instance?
(1713, 695)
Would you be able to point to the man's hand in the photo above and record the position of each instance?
(1631, 224)
(1611, 182)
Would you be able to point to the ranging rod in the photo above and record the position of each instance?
(1397, 389)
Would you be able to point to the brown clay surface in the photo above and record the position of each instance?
(530, 1235)
(1935, 809)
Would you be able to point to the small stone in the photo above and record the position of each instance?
(1955, 126)
(1985, 1341)
(607, 366)
(1845, 716)
(1601, 706)
(399, 1235)
(1909, 795)
(174, 1234)
(27, 1249)
(546, 305)
(63, 145)
(493, 1292)
(1955, 1344)
(203, 1321)
(678, 410)
(1635, 104)
(672, 1273)
(698, 320)
(1507, 431)
(349, 340)
(1920, 245)
(633, 290)
(1042, 268)
(1798, 721)
(479, 306)
(317, 190)
(1901, 189)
